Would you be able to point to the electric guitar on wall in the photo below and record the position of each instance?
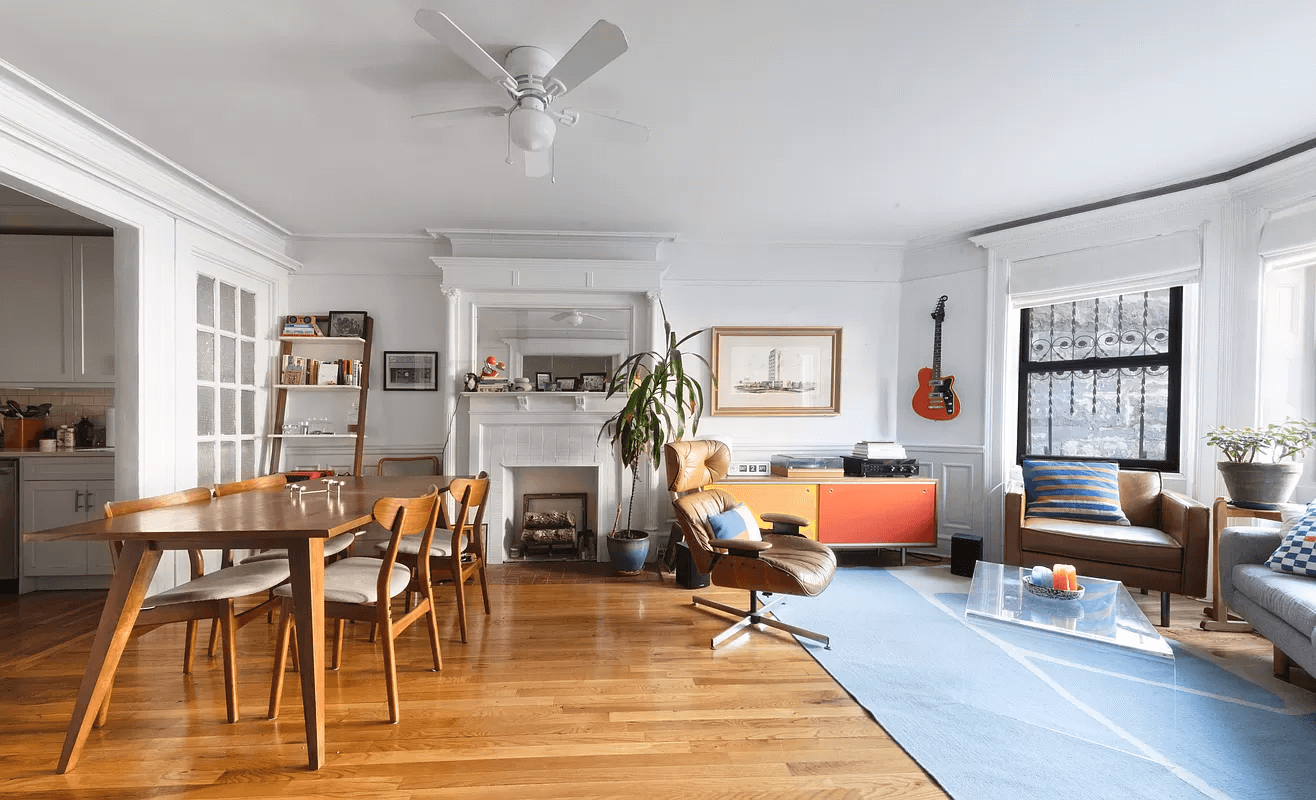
(935, 397)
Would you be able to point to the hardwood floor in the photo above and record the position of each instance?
(581, 684)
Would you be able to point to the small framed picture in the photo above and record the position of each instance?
(566, 384)
(347, 324)
(411, 371)
(543, 381)
(593, 381)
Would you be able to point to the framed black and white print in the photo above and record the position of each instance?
(411, 371)
(350, 324)
(543, 381)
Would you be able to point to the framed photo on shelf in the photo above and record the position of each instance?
(347, 323)
(593, 381)
(566, 384)
(411, 371)
(543, 381)
(777, 372)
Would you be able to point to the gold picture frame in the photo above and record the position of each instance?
(776, 372)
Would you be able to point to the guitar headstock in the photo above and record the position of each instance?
(940, 314)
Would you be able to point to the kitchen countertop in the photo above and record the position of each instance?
(27, 452)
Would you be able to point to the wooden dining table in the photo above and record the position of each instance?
(300, 522)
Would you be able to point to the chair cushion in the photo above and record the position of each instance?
(332, 547)
(355, 580)
(224, 584)
(1092, 541)
(1088, 491)
(1292, 598)
(736, 522)
(1297, 551)
(410, 545)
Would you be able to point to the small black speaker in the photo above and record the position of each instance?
(965, 551)
(688, 575)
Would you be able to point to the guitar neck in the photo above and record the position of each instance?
(936, 354)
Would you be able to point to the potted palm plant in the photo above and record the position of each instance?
(1262, 467)
(661, 399)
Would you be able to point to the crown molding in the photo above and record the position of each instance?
(601, 245)
(547, 274)
(42, 119)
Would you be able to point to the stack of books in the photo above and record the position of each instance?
(875, 450)
(301, 326)
(492, 385)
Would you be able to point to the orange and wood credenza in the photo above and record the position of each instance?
(848, 512)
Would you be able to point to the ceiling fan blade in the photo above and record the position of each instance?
(609, 127)
(446, 31)
(595, 50)
(538, 163)
(443, 119)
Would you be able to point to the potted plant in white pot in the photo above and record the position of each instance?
(661, 399)
(1267, 482)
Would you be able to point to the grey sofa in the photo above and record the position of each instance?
(1282, 607)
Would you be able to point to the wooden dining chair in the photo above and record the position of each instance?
(204, 596)
(363, 589)
(457, 553)
(409, 465)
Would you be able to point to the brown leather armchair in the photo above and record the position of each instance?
(785, 562)
(1165, 549)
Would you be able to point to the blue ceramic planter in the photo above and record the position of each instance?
(628, 555)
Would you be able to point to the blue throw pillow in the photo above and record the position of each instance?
(1088, 491)
(736, 522)
(1297, 553)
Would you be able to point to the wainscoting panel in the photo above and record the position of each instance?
(960, 501)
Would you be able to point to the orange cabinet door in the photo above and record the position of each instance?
(878, 514)
(800, 499)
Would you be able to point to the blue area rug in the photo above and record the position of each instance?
(990, 718)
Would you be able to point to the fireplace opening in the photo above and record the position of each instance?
(556, 515)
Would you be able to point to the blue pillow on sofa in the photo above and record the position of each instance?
(736, 522)
(1296, 554)
(1087, 491)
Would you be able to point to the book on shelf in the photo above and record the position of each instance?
(301, 371)
(327, 374)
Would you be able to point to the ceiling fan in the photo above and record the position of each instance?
(534, 80)
(574, 317)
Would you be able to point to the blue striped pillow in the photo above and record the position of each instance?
(1088, 491)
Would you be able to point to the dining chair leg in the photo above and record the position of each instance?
(189, 646)
(340, 627)
(229, 628)
(214, 637)
(103, 715)
(433, 628)
(484, 587)
(280, 657)
(390, 664)
(374, 632)
(460, 581)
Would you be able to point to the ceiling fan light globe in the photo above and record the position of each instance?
(531, 129)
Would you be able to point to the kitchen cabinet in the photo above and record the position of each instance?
(59, 304)
(63, 491)
(849, 512)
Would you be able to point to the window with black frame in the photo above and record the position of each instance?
(1100, 378)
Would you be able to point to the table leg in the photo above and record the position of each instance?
(1218, 613)
(306, 560)
(132, 576)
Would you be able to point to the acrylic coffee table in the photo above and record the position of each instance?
(1106, 615)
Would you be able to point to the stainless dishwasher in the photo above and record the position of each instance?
(9, 526)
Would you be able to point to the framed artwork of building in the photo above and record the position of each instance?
(777, 372)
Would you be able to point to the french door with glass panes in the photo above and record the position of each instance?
(232, 341)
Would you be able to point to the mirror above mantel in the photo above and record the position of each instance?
(566, 341)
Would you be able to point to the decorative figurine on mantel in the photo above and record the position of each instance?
(492, 367)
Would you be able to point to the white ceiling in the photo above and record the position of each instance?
(781, 121)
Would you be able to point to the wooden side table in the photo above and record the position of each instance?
(1218, 611)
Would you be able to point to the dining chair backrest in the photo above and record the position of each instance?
(409, 465)
(470, 493)
(251, 484)
(406, 516)
(118, 508)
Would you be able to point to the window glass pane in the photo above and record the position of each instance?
(228, 461)
(248, 313)
(1103, 327)
(228, 359)
(228, 412)
(248, 459)
(205, 411)
(248, 413)
(248, 363)
(228, 308)
(205, 356)
(205, 301)
(205, 463)
(1117, 413)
